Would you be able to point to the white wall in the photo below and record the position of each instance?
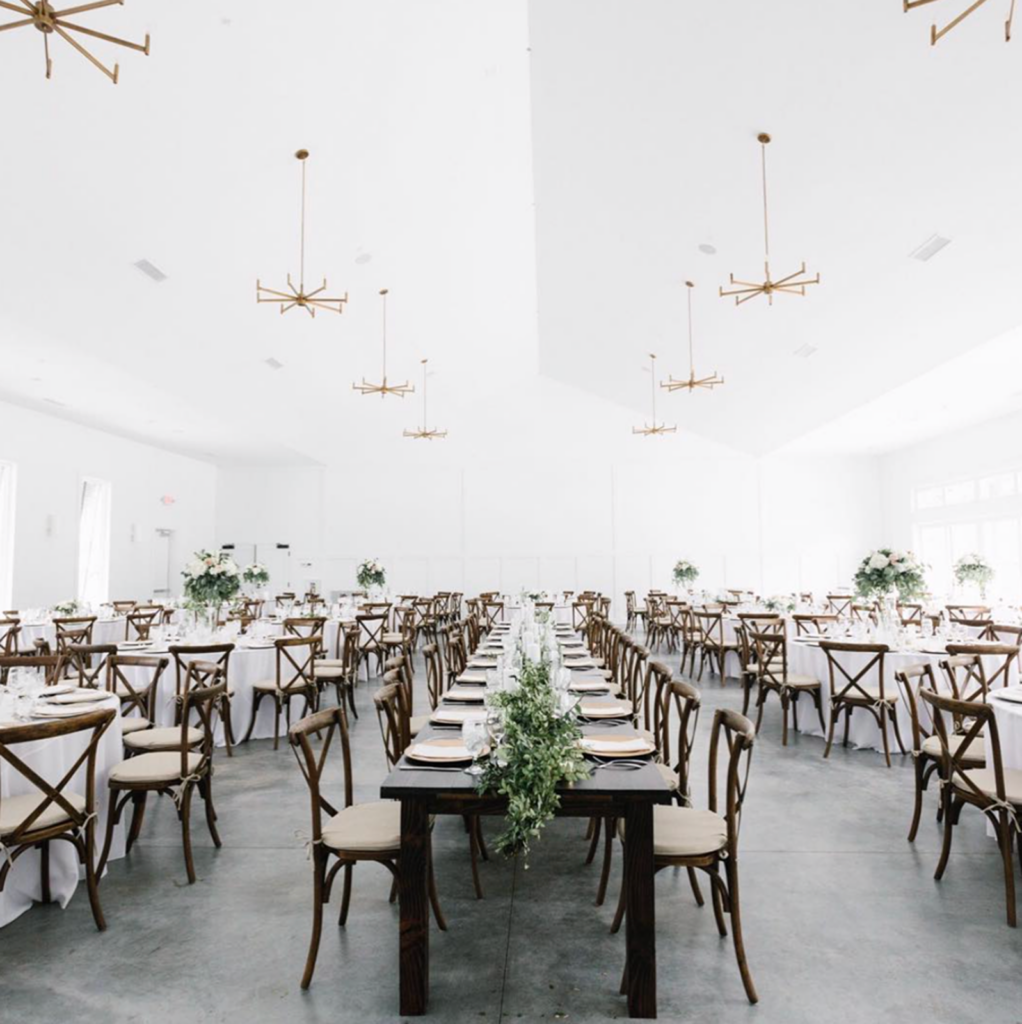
(545, 486)
(52, 455)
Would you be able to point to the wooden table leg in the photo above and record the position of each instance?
(640, 920)
(413, 865)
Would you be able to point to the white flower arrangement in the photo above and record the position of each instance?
(66, 608)
(685, 572)
(371, 574)
(257, 574)
(885, 570)
(781, 603)
(211, 577)
(974, 568)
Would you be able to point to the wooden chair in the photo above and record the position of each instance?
(993, 789)
(493, 612)
(73, 630)
(305, 627)
(138, 623)
(966, 668)
(370, 641)
(631, 611)
(346, 658)
(840, 604)
(185, 677)
(910, 614)
(10, 630)
(123, 607)
(52, 811)
(772, 676)
(964, 614)
(808, 623)
(137, 689)
(708, 840)
(295, 678)
(174, 773)
(47, 666)
(863, 691)
(712, 646)
(87, 664)
(353, 834)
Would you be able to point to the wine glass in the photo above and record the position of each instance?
(473, 735)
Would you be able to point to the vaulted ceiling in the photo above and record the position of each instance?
(533, 182)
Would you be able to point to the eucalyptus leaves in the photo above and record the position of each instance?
(540, 751)
(371, 574)
(974, 568)
(211, 578)
(883, 571)
(685, 572)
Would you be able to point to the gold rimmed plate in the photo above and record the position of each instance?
(615, 710)
(441, 752)
(459, 696)
(614, 745)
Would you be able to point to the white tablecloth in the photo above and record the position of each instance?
(51, 758)
(105, 631)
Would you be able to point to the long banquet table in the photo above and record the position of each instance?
(629, 796)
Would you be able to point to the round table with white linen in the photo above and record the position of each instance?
(51, 759)
(104, 631)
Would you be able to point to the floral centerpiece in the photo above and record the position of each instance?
(780, 603)
(974, 568)
(257, 574)
(685, 573)
(884, 571)
(371, 574)
(539, 751)
(211, 578)
(66, 608)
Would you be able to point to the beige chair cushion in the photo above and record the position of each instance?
(365, 828)
(270, 685)
(797, 682)
(330, 663)
(984, 779)
(977, 752)
(393, 638)
(15, 809)
(685, 832)
(161, 766)
(133, 724)
(328, 672)
(855, 693)
(168, 738)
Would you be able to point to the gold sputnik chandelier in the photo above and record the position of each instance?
(936, 33)
(48, 21)
(309, 301)
(693, 381)
(383, 388)
(424, 433)
(793, 284)
(653, 428)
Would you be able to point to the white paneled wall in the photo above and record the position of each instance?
(52, 457)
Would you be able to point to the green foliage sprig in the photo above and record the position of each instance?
(540, 750)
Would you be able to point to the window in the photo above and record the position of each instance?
(960, 493)
(94, 542)
(1002, 485)
(930, 497)
(7, 483)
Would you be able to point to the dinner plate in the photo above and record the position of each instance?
(617, 746)
(580, 663)
(605, 710)
(483, 663)
(1013, 695)
(50, 711)
(77, 697)
(457, 716)
(474, 678)
(589, 686)
(441, 752)
(473, 696)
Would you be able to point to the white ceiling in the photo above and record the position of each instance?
(482, 179)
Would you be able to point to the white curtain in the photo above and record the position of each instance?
(7, 482)
(94, 542)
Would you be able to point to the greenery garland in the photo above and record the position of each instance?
(685, 572)
(540, 750)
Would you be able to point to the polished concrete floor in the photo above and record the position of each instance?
(843, 920)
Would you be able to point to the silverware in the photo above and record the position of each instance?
(426, 768)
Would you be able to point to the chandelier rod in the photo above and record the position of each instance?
(301, 262)
(383, 292)
(763, 140)
(691, 358)
(425, 417)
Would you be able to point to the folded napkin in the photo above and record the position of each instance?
(616, 746)
(465, 696)
(78, 697)
(457, 750)
(605, 710)
(472, 677)
(583, 686)
(458, 715)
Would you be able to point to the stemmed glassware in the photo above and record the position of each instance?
(474, 735)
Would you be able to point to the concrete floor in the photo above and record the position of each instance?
(843, 919)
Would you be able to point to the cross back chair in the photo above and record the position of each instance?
(840, 604)
(135, 679)
(344, 834)
(772, 676)
(49, 666)
(965, 614)
(999, 632)
(992, 788)
(863, 691)
(123, 607)
(52, 811)
(493, 612)
(371, 628)
(138, 623)
(807, 623)
(712, 646)
(631, 618)
(967, 671)
(342, 669)
(90, 664)
(306, 626)
(910, 614)
(73, 630)
(434, 675)
(10, 630)
(176, 772)
(186, 677)
(708, 840)
(295, 678)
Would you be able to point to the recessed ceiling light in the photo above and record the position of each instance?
(805, 351)
(363, 258)
(150, 270)
(929, 248)
(707, 249)
(274, 364)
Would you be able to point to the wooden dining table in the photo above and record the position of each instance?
(626, 795)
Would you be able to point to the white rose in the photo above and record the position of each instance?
(878, 561)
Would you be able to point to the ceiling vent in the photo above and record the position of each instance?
(805, 351)
(151, 271)
(274, 364)
(929, 248)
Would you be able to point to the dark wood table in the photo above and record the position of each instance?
(627, 795)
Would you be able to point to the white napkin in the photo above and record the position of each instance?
(584, 687)
(458, 715)
(472, 677)
(608, 710)
(434, 750)
(615, 746)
